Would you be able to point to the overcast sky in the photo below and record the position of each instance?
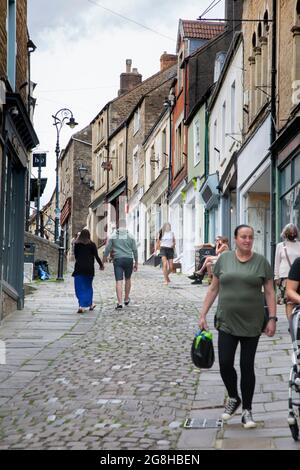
(82, 46)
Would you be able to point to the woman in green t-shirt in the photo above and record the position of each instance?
(238, 280)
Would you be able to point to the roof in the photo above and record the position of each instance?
(198, 29)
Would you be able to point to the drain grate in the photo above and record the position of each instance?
(202, 423)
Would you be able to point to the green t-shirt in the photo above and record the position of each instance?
(240, 309)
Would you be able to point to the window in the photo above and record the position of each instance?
(136, 121)
(135, 168)
(179, 148)
(163, 149)
(100, 129)
(232, 108)
(196, 142)
(223, 128)
(120, 160)
(180, 72)
(216, 142)
(152, 164)
(99, 170)
(11, 43)
(114, 158)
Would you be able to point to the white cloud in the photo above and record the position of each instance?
(82, 51)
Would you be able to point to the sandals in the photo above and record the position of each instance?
(81, 310)
(92, 307)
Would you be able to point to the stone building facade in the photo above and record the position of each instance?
(75, 185)
(112, 119)
(17, 139)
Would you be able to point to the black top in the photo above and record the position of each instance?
(85, 257)
(294, 274)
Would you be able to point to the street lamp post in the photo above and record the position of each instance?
(63, 116)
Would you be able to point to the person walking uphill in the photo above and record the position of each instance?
(85, 252)
(124, 249)
(286, 253)
(238, 278)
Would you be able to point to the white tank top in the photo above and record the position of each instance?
(167, 240)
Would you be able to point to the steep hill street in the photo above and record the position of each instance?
(124, 379)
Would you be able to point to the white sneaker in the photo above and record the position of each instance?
(231, 407)
(247, 420)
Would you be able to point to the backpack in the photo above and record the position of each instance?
(202, 351)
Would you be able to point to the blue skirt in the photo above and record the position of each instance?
(84, 290)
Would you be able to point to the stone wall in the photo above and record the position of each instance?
(45, 250)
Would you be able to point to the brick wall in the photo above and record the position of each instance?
(3, 9)
(22, 57)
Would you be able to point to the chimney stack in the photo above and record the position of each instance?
(167, 60)
(129, 79)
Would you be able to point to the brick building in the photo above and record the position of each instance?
(17, 139)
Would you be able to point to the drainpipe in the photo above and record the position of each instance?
(273, 135)
(206, 170)
(107, 151)
(126, 165)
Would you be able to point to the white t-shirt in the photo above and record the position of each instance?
(282, 267)
(167, 240)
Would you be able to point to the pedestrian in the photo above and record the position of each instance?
(238, 279)
(293, 284)
(85, 252)
(286, 253)
(166, 243)
(124, 249)
(196, 277)
(222, 244)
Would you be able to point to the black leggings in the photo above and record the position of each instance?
(227, 345)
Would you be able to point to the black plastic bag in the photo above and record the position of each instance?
(202, 351)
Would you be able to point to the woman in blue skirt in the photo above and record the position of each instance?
(85, 252)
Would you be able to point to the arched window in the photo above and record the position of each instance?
(266, 21)
(254, 39)
(298, 8)
(259, 30)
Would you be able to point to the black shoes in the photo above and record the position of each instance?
(126, 302)
(118, 307)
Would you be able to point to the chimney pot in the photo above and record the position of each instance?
(128, 65)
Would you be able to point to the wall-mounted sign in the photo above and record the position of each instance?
(38, 159)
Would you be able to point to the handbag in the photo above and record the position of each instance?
(202, 350)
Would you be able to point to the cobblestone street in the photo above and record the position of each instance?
(124, 379)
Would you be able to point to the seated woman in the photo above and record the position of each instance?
(221, 246)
